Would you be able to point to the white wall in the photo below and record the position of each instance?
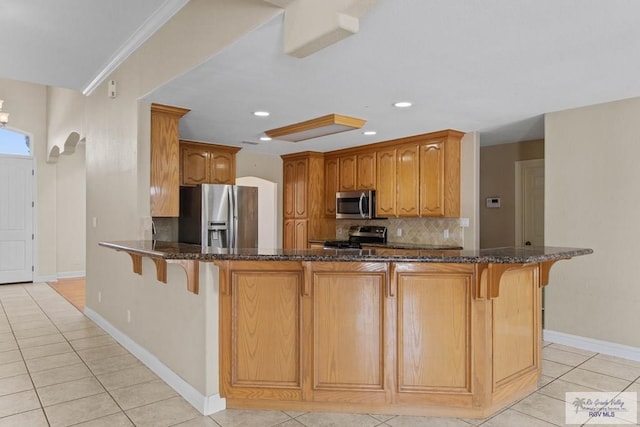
(592, 200)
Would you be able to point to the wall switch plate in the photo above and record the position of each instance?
(399, 232)
(446, 233)
(464, 222)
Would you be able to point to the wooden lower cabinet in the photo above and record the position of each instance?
(349, 316)
(437, 339)
(261, 336)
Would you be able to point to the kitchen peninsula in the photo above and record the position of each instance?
(444, 333)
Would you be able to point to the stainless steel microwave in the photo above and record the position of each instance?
(356, 204)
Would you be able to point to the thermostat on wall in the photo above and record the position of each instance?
(493, 202)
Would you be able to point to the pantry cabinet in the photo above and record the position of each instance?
(303, 199)
(207, 163)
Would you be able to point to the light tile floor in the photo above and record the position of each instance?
(57, 368)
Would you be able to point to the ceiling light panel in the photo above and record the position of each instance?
(314, 128)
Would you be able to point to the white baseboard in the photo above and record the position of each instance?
(591, 344)
(50, 278)
(71, 274)
(207, 405)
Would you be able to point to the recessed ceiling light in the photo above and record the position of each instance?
(261, 113)
(369, 132)
(265, 138)
(402, 104)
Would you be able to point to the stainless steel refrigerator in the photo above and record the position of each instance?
(219, 216)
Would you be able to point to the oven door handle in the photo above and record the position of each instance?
(362, 197)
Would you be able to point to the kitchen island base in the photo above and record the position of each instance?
(406, 338)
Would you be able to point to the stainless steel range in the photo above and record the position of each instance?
(359, 234)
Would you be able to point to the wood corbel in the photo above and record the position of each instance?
(137, 262)
(545, 267)
(225, 288)
(192, 268)
(496, 271)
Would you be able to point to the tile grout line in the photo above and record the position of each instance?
(81, 359)
(35, 390)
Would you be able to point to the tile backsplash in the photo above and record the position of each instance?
(428, 231)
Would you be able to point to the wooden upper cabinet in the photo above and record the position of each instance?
(386, 178)
(194, 165)
(407, 180)
(331, 181)
(207, 163)
(432, 178)
(366, 175)
(165, 160)
(348, 173)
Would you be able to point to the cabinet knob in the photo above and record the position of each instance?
(527, 243)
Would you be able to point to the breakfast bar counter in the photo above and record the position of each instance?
(443, 333)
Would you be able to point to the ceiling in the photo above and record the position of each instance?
(494, 66)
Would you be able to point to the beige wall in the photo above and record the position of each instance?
(497, 179)
(179, 328)
(71, 213)
(592, 200)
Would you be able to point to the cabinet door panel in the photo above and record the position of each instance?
(266, 329)
(289, 189)
(331, 181)
(366, 171)
(515, 325)
(386, 177)
(348, 168)
(348, 331)
(222, 170)
(301, 234)
(194, 166)
(407, 182)
(165, 161)
(289, 232)
(300, 203)
(433, 332)
(432, 179)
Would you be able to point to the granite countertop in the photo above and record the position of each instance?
(507, 255)
(399, 245)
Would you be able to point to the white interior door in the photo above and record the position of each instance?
(530, 202)
(16, 219)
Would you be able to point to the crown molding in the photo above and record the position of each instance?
(148, 28)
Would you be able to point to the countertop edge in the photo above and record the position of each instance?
(508, 255)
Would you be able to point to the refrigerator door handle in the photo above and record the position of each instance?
(233, 220)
